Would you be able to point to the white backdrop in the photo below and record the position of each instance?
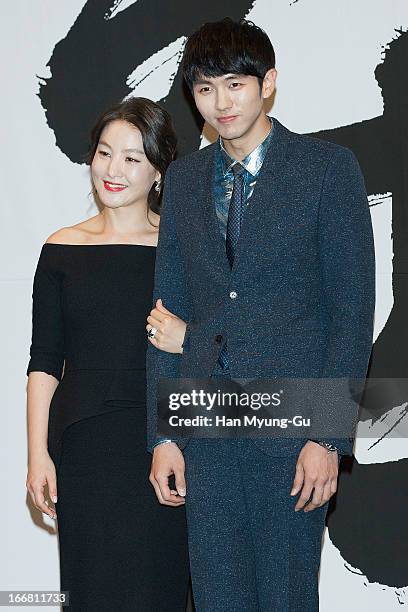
(326, 55)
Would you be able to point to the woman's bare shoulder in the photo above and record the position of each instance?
(74, 234)
(65, 235)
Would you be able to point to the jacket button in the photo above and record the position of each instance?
(218, 338)
(233, 295)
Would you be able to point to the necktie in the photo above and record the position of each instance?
(235, 211)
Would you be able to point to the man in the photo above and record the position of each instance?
(266, 250)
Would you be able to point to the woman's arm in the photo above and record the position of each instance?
(41, 469)
(44, 373)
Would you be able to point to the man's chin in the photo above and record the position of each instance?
(230, 132)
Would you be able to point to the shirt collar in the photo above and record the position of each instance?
(253, 161)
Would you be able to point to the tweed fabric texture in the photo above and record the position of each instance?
(299, 299)
(249, 550)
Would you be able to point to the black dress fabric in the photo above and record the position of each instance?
(119, 548)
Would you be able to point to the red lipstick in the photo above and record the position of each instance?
(113, 186)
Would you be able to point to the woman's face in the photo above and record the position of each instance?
(121, 173)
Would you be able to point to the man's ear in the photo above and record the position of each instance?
(268, 84)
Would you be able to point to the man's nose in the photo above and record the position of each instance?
(223, 100)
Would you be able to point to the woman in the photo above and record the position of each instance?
(119, 548)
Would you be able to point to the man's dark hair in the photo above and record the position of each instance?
(227, 47)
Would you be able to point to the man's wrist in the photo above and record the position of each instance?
(166, 441)
(327, 445)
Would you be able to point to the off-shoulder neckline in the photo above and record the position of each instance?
(150, 246)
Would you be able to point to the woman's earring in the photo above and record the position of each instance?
(157, 186)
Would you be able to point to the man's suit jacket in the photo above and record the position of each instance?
(299, 300)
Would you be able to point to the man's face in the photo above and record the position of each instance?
(232, 103)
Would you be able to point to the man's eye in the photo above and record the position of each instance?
(236, 83)
(204, 89)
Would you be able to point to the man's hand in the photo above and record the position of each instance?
(315, 469)
(167, 460)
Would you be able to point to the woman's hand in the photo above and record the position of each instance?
(41, 472)
(170, 329)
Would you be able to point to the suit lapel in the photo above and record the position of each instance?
(206, 197)
(262, 196)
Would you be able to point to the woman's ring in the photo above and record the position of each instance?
(152, 332)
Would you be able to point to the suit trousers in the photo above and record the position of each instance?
(249, 550)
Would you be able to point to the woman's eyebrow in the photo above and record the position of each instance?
(102, 142)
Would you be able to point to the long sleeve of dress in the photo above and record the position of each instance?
(47, 345)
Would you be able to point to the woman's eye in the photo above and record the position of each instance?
(104, 153)
(132, 159)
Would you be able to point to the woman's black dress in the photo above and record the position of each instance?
(119, 548)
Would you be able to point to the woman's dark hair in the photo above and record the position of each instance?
(158, 135)
(227, 47)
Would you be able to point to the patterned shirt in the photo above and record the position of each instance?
(224, 177)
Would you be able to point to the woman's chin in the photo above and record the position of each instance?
(113, 203)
